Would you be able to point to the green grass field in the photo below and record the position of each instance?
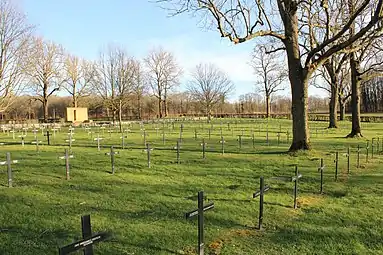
(143, 208)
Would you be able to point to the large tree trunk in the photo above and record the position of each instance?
(299, 78)
(45, 109)
(342, 109)
(160, 108)
(333, 107)
(268, 108)
(355, 97)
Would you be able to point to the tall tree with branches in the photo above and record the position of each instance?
(163, 74)
(208, 85)
(45, 71)
(79, 74)
(270, 71)
(15, 42)
(292, 22)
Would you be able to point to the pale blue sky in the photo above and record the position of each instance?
(83, 27)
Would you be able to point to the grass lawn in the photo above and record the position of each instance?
(143, 208)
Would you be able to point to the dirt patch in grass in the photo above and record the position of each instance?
(217, 245)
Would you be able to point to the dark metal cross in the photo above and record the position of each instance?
(240, 142)
(321, 169)
(200, 212)
(9, 162)
(336, 161)
(88, 239)
(48, 136)
(67, 157)
(111, 154)
(262, 189)
(295, 179)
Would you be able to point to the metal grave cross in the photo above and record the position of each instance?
(295, 179)
(98, 139)
(37, 142)
(88, 239)
(200, 212)
(178, 148)
(321, 169)
(66, 157)
(367, 148)
(240, 142)
(9, 162)
(70, 141)
(262, 189)
(358, 157)
(222, 142)
(348, 159)
(47, 134)
(147, 150)
(111, 154)
(123, 140)
(22, 139)
(336, 161)
(13, 133)
(203, 144)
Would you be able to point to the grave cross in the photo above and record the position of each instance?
(98, 139)
(88, 239)
(203, 144)
(279, 137)
(262, 189)
(70, 140)
(177, 148)
(148, 149)
(37, 142)
(348, 160)
(22, 139)
(111, 154)
(240, 142)
(195, 134)
(295, 179)
(9, 162)
(222, 145)
(372, 147)
(336, 161)
(48, 136)
(320, 169)
(200, 212)
(123, 140)
(358, 157)
(367, 148)
(66, 157)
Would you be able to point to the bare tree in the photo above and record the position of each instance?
(163, 74)
(139, 87)
(44, 70)
(15, 38)
(269, 68)
(292, 22)
(115, 79)
(208, 85)
(78, 77)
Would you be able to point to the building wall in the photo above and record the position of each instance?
(76, 114)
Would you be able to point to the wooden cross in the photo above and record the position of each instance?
(295, 179)
(66, 157)
(321, 169)
(88, 239)
(262, 189)
(111, 154)
(98, 139)
(9, 162)
(200, 213)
